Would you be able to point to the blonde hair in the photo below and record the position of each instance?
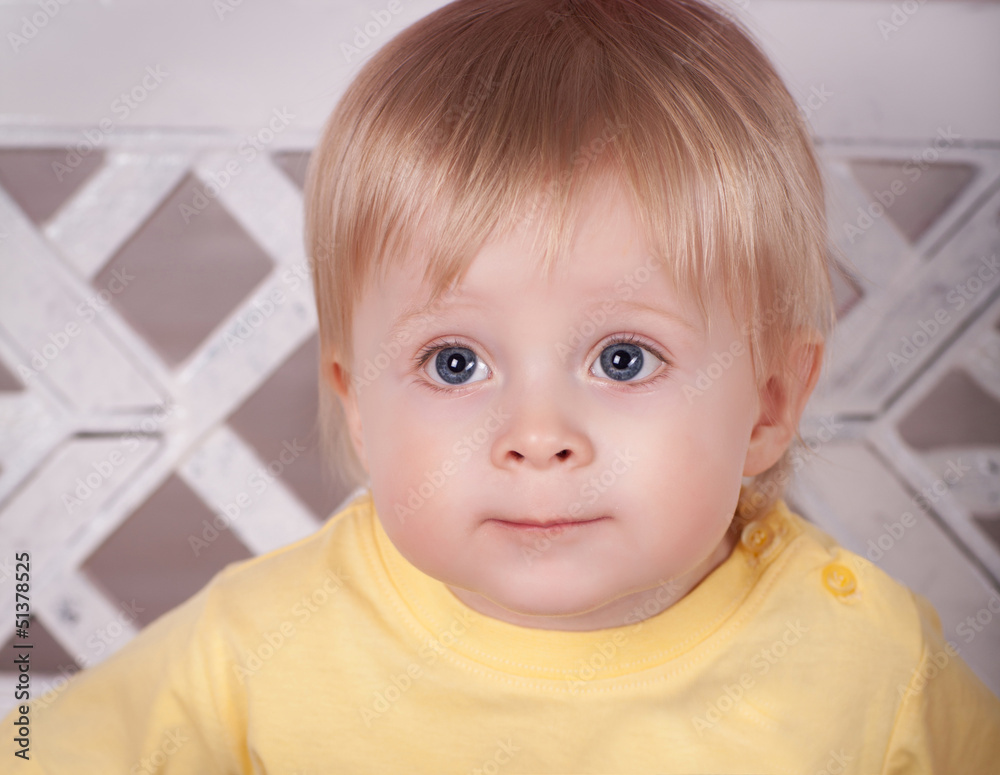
(487, 112)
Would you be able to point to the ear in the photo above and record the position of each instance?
(782, 401)
(338, 379)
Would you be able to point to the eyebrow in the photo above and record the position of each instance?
(406, 319)
(641, 306)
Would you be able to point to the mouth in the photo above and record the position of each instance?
(550, 525)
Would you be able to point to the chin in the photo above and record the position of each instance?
(554, 602)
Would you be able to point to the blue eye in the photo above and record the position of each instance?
(451, 363)
(457, 365)
(621, 361)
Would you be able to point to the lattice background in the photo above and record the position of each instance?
(149, 380)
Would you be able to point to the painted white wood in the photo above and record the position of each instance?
(982, 357)
(855, 493)
(246, 493)
(59, 337)
(926, 308)
(78, 615)
(119, 197)
(65, 494)
(262, 199)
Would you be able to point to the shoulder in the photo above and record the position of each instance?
(868, 630)
(844, 655)
(869, 651)
(312, 568)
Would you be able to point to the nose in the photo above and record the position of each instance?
(543, 433)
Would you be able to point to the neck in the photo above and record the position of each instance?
(628, 609)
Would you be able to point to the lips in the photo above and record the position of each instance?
(529, 523)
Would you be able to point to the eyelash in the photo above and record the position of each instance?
(425, 355)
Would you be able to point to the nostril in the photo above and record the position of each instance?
(563, 455)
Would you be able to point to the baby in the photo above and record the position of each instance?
(571, 271)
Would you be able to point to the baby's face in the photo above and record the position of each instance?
(556, 401)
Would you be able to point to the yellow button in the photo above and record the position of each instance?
(839, 579)
(757, 537)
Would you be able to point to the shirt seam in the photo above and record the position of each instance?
(904, 701)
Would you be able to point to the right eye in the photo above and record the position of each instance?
(455, 364)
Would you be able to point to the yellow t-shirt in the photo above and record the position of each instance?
(335, 655)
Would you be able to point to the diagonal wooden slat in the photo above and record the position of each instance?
(971, 474)
(67, 491)
(262, 200)
(246, 492)
(921, 479)
(88, 625)
(59, 339)
(109, 208)
(982, 358)
(886, 344)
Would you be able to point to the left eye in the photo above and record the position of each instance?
(621, 361)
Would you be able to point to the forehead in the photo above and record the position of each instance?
(608, 265)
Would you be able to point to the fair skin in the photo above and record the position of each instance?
(522, 422)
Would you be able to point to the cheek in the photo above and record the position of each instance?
(690, 457)
(414, 443)
(399, 436)
(689, 441)
(727, 413)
